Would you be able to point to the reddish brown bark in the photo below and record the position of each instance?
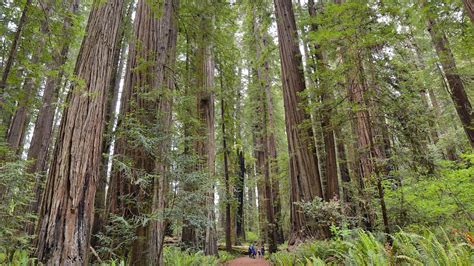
(68, 203)
(43, 130)
(264, 138)
(469, 8)
(110, 119)
(304, 177)
(147, 98)
(205, 146)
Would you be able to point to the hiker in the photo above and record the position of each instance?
(252, 251)
(261, 250)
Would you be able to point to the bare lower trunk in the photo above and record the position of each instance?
(68, 205)
(305, 182)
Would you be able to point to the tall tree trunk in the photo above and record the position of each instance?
(19, 121)
(240, 183)
(304, 176)
(362, 130)
(347, 196)
(68, 204)
(239, 194)
(457, 92)
(469, 7)
(188, 233)
(43, 130)
(147, 98)
(205, 147)
(228, 236)
(271, 155)
(264, 137)
(332, 182)
(110, 120)
(367, 153)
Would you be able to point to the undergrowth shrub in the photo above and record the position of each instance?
(425, 248)
(177, 257)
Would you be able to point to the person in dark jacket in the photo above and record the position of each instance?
(252, 251)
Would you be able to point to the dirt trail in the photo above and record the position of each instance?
(248, 261)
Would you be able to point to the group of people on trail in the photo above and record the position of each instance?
(255, 252)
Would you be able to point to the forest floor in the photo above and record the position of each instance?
(248, 261)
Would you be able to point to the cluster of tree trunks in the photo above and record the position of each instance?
(43, 130)
(149, 72)
(76, 181)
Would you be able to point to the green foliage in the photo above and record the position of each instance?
(442, 199)
(16, 195)
(118, 235)
(366, 248)
(251, 236)
(18, 257)
(225, 256)
(175, 256)
(325, 213)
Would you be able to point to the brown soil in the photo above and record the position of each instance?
(248, 261)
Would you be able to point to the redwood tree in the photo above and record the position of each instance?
(304, 175)
(68, 203)
(147, 101)
(43, 130)
(205, 147)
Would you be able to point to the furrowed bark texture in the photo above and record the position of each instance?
(147, 98)
(362, 129)
(120, 57)
(43, 130)
(206, 148)
(68, 203)
(304, 175)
